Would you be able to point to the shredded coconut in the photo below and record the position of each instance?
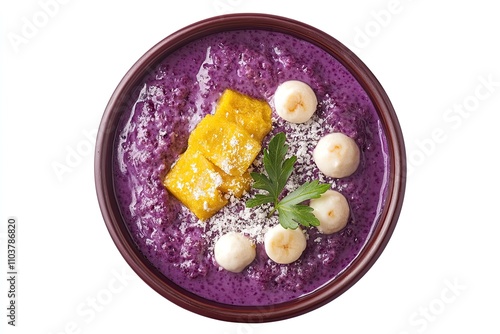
(234, 141)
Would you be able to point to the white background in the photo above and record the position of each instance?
(437, 275)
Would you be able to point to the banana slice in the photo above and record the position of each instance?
(295, 101)
(284, 245)
(234, 252)
(336, 155)
(332, 211)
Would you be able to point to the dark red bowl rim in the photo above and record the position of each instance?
(118, 105)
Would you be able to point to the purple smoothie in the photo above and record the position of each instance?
(184, 88)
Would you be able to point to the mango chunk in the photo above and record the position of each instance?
(220, 150)
(236, 185)
(252, 114)
(195, 182)
(226, 144)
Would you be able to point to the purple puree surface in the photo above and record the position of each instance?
(176, 95)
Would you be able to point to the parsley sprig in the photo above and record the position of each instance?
(291, 212)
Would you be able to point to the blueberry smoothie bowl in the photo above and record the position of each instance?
(250, 168)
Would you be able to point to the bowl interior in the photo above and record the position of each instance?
(128, 90)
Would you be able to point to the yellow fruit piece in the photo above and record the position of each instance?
(195, 182)
(220, 150)
(236, 185)
(226, 144)
(252, 114)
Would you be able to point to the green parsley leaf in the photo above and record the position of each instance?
(308, 190)
(292, 215)
(290, 212)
